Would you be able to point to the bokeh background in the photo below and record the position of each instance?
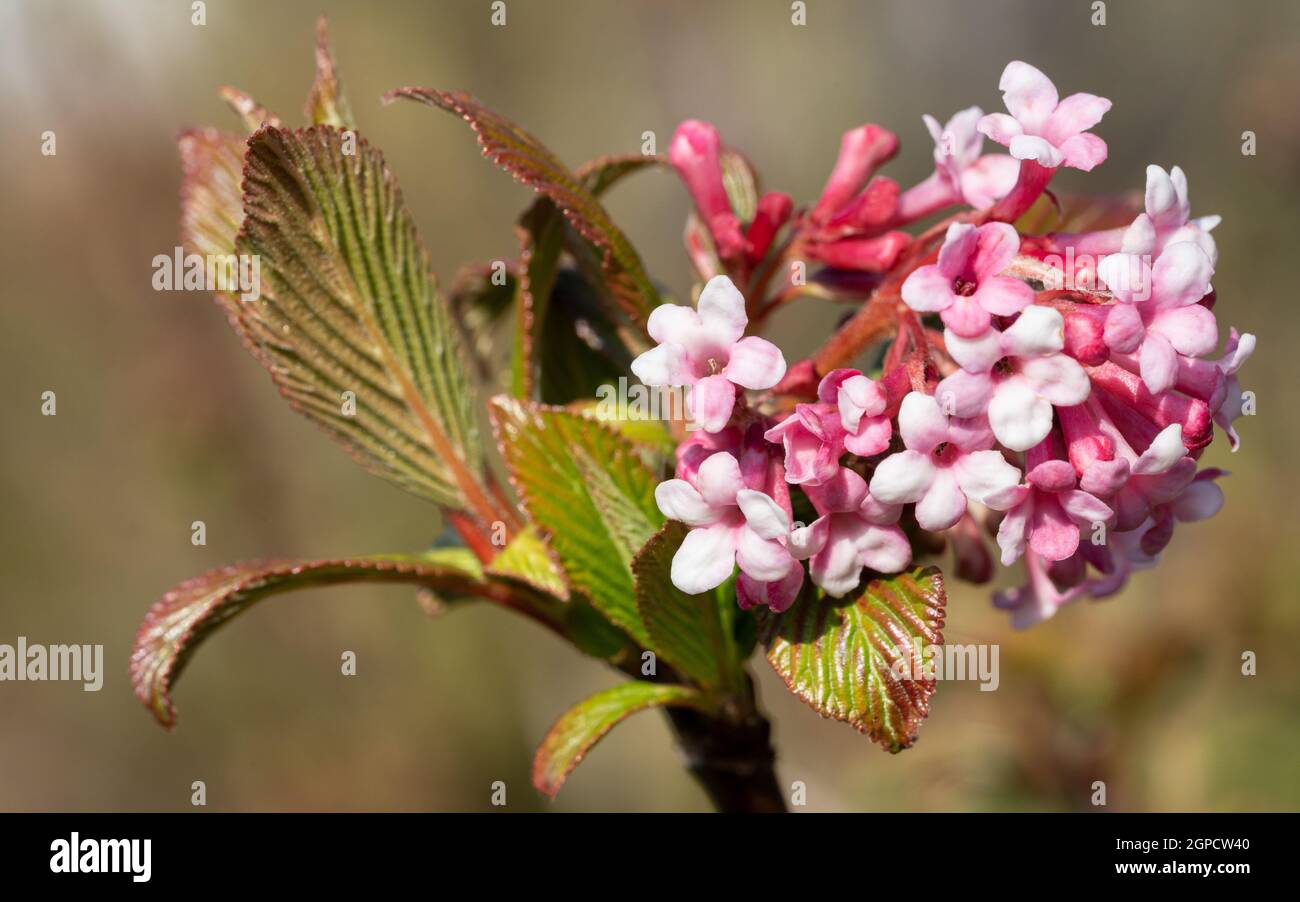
(163, 419)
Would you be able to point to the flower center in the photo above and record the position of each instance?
(945, 452)
(1004, 367)
(963, 287)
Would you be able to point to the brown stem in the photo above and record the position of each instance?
(730, 754)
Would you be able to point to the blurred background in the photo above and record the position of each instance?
(163, 419)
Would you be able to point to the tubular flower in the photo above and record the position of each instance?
(965, 287)
(1068, 418)
(703, 349)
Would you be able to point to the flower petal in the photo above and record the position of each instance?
(763, 515)
(1019, 417)
(679, 500)
(975, 355)
(1040, 150)
(997, 244)
(1159, 363)
(776, 594)
(1029, 95)
(964, 394)
(928, 290)
(1039, 330)
(1124, 328)
(1164, 452)
(1058, 378)
(711, 401)
(902, 478)
(982, 473)
(1192, 330)
(1085, 152)
(1003, 295)
(921, 422)
(805, 541)
(966, 317)
(663, 365)
(1076, 114)
(943, 503)
(718, 479)
(1001, 128)
(755, 363)
(722, 309)
(673, 323)
(1013, 533)
(1181, 275)
(763, 559)
(705, 559)
(871, 438)
(885, 548)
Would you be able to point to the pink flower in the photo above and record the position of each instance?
(1046, 513)
(1041, 127)
(1236, 352)
(731, 524)
(1168, 324)
(1167, 219)
(961, 173)
(849, 417)
(964, 287)
(947, 462)
(704, 349)
(1039, 599)
(853, 531)
(1017, 376)
(862, 150)
(813, 440)
(861, 404)
(695, 153)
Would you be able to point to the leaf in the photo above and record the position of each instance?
(251, 113)
(580, 348)
(591, 495)
(586, 723)
(602, 173)
(634, 424)
(530, 560)
(189, 613)
(212, 163)
(529, 161)
(837, 656)
(326, 104)
(348, 305)
(541, 241)
(686, 630)
(741, 184)
(480, 300)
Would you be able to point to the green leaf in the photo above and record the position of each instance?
(481, 295)
(688, 631)
(591, 495)
(631, 421)
(193, 610)
(348, 305)
(586, 723)
(530, 560)
(528, 160)
(326, 104)
(541, 242)
(741, 184)
(837, 656)
(580, 348)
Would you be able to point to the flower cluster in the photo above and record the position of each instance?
(1052, 392)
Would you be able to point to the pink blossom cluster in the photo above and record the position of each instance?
(1063, 424)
